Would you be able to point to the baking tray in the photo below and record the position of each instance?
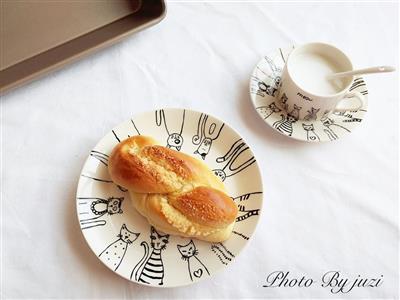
(40, 36)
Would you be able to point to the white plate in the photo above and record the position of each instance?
(118, 234)
(263, 89)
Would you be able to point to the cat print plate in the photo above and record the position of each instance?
(264, 83)
(123, 239)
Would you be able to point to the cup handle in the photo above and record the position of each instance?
(356, 95)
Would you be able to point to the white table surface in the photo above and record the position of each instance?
(331, 206)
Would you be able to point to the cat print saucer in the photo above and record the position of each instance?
(124, 241)
(264, 84)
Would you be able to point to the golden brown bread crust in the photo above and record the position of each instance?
(128, 170)
(206, 206)
(140, 165)
(182, 189)
(163, 216)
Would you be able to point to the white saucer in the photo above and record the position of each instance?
(263, 89)
(122, 238)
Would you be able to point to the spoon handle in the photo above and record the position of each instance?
(380, 69)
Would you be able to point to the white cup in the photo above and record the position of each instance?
(303, 102)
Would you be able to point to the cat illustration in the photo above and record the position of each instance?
(150, 268)
(224, 255)
(175, 139)
(311, 115)
(267, 89)
(122, 189)
(204, 138)
(328, 123)
(276, 74)
(352, 120)
(246, 213)
(243, 236)
(254, 89)
(274, 81)
(311, 135)
(266, 111)
(283, 101)
(230, 157)
(341, 114)
(348, 117)
(101, 157)
(245, 196)
(285, 125)
(113, 255)
(91, 209)
(295, 112)
(195, 267)
(325, 114)
(128, 136)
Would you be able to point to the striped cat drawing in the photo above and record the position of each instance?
(285, 125)
(150, 268)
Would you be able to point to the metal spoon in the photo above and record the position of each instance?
(381, 69)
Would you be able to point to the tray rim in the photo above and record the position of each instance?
(21, 76)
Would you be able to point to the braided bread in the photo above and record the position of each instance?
(177, 193)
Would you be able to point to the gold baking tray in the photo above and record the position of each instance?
(38, 36)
